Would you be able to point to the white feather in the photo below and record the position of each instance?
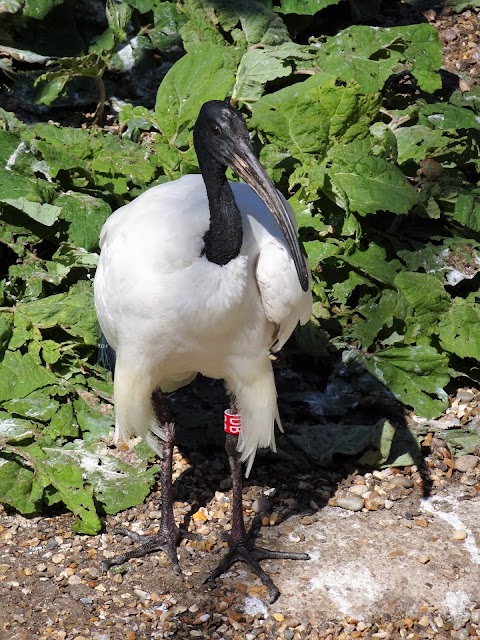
(169, 313)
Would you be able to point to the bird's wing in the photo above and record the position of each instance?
(284, 301)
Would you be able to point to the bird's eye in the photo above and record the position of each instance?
(215, 129)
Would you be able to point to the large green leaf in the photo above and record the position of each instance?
(309, 116)
(427, 295)
(459, 329)
(72, 311)
(370, 55)
(304, 7)
(208, 73)
(85, 216)
(416, 375)
(20, 375)
(367, 184)
(261, 65)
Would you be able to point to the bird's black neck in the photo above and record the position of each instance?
(224, 237)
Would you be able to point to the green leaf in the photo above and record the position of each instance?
(378, 315)
(459, 329)
(20, 375)
(38, 405)
(259, 66)
(447, 116)
(51, 89)
(341, 291)
(367, 184)
(19, 487)
(116, 156)
(63, 148)
(427, 296)
(308, 116)
(38, 9)
(372, 261)
(467, 210)
(260, 25)
(318, 251)
(85, 216)
(201, 75)
(25, 195)
(63, 423)
(370, 55)
(117, 485)
(72, 311)
(304, 7)
(66, 476)
(416, 375)
(419, 142)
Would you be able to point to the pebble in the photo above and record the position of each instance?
(261, 504)
(459, 534)
(466, 462)
(350, 502)
(57, 558)
(401, 481)
(358, 489)
(374, 502)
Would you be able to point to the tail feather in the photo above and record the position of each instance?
(132, 398)
(256, 400)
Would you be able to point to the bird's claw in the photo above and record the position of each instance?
(166, 542)
(246, 552)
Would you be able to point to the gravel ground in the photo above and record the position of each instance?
(51, 588)
(386, 563)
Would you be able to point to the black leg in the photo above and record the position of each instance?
(241, 546)
(168, 536)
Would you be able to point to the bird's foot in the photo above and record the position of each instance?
(246, 551)
(162, 541)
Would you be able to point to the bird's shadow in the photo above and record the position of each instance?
(345, 412)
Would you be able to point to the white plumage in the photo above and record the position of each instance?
(169, 313)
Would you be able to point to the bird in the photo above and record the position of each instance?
(202, 275)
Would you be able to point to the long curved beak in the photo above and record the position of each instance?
(247, 166)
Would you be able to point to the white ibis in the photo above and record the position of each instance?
(202, 275)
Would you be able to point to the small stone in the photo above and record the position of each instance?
(4, 568)
(466, 462)
(424, 559)
(358, 489)
(74, 580)
(294, 537)
(57, 558)
(130, 635)
(402, 481)
(449, 35)
(41, 567)
(374, 502)
(279, 617)
(350, 502)
(261, 504)
(459, 534)
(389, 504)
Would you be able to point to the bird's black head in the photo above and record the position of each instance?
(221, 140)
(218, 129)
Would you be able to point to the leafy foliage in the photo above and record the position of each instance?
(379, 163)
